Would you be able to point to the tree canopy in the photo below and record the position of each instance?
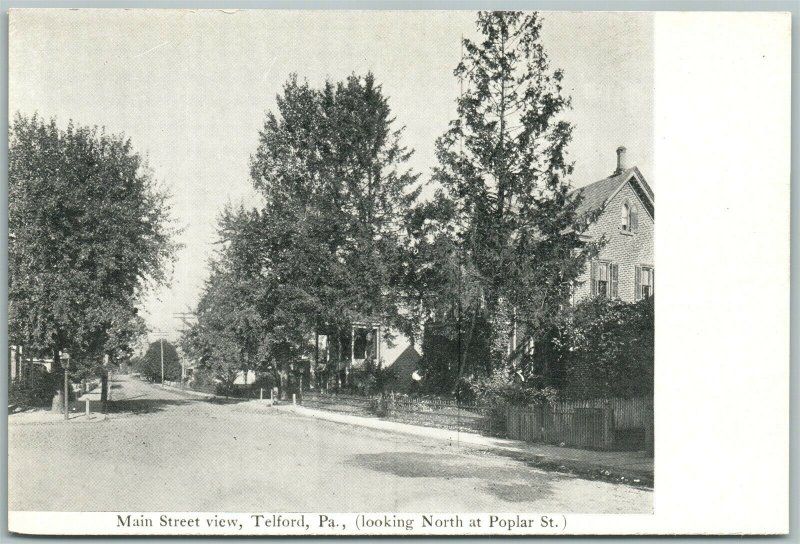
(89, 233)
(500, 244)
(324, 250)
(149, 365)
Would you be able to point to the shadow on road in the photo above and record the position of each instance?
(512, 484)
(143, 406)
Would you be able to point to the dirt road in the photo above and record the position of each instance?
(163, 450)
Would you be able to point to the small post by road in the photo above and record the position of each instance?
(261, 395)
(87, 407)
(294, 399)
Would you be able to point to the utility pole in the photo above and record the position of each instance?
(184, 317)
(160, 336)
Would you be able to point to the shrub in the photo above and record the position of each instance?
(38, 391)
(607, 348)
(372, 378)
(500, 388)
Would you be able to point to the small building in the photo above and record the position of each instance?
(366, 346)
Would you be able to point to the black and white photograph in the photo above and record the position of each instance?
(332, 272)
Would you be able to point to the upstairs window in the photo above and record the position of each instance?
(645, 282)
(605, 279)
(629, 218)
(625, 217)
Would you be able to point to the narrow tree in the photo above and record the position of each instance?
(514, 237)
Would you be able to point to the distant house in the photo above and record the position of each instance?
(367, 342)
(624, 269)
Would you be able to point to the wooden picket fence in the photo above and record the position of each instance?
(593, 423)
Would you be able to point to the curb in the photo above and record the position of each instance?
(642, 479)
(189, 392)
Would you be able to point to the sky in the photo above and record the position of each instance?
(191, 89)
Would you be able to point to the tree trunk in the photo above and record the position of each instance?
(58, 399)
(338, 358)
(283, 374)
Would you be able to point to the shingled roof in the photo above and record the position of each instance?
(596, 194)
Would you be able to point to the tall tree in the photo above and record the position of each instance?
(89, 232)
(332, 170)
(511, 234)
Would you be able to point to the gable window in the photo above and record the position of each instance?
(625, 217)
(645, 282)
(629, 218)
(605, 279)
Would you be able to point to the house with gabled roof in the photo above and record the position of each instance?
(623, 206)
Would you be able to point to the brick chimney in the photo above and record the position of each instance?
(622, 161)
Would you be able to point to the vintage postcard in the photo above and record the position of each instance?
(383, 273)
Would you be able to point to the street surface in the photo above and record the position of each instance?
(160, 450)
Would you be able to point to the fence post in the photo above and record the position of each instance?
(390, 405)
(608, 425)
(539, 421)
(649, 443)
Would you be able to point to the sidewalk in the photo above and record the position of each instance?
(210, 396)
(77, 414)
(187, 391)
(635, 468)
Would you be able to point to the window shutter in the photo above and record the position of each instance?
(634, 219)
(593, 279)
(652, 281)
(638, 284)
(614, 280)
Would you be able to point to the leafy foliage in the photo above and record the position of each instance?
(324, 250)
(500, 243)
(89, 232)
(607, 348)
(34, 392)
(502, 388)
(149, 365)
